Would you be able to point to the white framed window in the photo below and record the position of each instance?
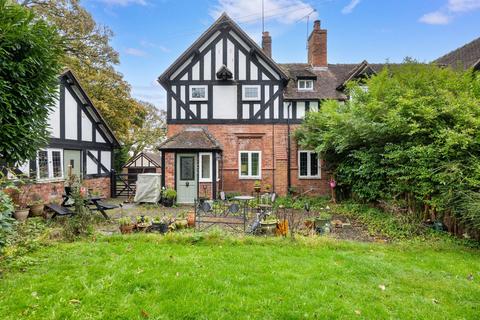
(250, 164)
(198, 93)
(50, 164)
(308, 165)
(305, 85)
(251, 93)
(205, 167)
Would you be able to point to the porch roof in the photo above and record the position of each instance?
(193, 138)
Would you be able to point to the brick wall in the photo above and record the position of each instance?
(271, 140)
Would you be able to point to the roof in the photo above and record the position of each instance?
(153, 157)
(223, 21)
(192, 138)
(92, 109)
(467, 56)
(329, 80)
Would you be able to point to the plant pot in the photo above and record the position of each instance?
(309, 224)
(68, 190)
(141, 227)
(126, 228)
(268, 227)
(36, 210)
(191, 220)
(257, 189)
(320, 223)
(21, 214)
(181, 224)
(167, 202)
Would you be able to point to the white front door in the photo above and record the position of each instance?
(186, 177)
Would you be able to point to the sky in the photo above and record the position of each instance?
(151, 34)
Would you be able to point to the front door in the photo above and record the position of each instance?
(72, 162)
(186, 177)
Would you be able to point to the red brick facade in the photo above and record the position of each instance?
(317, 46)
(271, 140)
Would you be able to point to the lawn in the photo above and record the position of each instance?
(213, 277)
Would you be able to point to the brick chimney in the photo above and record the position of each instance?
(317, 46)
(267, 43)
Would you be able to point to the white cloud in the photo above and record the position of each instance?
(123, 3)
(135, 52)
(152, 93)
(250, 11)
(435, 17)
(147, 44)
(452, 9)
(349, 8)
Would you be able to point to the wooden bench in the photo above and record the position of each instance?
(59, 210)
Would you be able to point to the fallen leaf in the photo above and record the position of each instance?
(470, 277)
(357, 312)
(178, 274)
(144, 314)
(435, 301)
(382, 287)
(74, 301)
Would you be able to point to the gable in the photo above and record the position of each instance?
(223, 44)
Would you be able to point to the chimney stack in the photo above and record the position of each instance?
(267, 43)
(317, 46)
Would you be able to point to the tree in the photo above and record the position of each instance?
(152, 132)
(30, 61)
(413, 138)
(92, 58)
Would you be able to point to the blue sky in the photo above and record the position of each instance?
(151, 34)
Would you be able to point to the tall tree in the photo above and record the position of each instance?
(151, 133)
(30, 61)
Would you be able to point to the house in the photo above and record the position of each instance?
(81, 143)
(231, 112)
(465, 57)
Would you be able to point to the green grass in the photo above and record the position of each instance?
(212, 277)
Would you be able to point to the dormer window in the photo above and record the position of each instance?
(305, 85)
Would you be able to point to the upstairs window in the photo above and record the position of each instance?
(198, 93)
(308, 165)
(251, 93)
(250, 164)
(305, 85)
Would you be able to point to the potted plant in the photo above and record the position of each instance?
(268, 226)
(169, 196)
(36, 206)
(322, 219)
(267, 187)
(191, 220)
(309, 223)
(257, 186)
(143, 222)
(19, 196)
(126, 225)
(71, 182)
(161, 224)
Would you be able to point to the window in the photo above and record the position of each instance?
(251, 93)
(205, 167)
(198, 93)
(305, 84)
(50, 164)
(250, 164)
(308, 164)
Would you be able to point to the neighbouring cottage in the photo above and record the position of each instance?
(231, 112)
(465, 57)
(81, 143)
(144, 162)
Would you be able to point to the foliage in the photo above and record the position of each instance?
(125, 221)
(30, 56)
(169, 193)
(91, 279)
(413, 138)
(81, 223)
(7, 207)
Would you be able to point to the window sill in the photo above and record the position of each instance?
(310, 178)
(250, 178)
(50, 180)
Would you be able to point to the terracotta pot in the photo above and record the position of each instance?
(191, 220)
(36, 210)
(128, 228)
(257, 189)
(21, 214)
(309, 224)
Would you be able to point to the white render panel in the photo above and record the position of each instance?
(246, 111)
(92, 167)
(182, 113)
(275, 108)
(267, 93)
(174, 104)
(256, 108)
(182, 93)
(207, 66)
(70, 116)
(99, 137)
(253, 71)
(239, 40)
(231, 57)
(210, 40)
(106, 160)
(193, 108)
(54, 119)
(225, 102)
(204, 111)
(196, 71)
(275, 89)
(300, 109)
(218, 55)
(185, 77)
(266, 66)
(242, 66)
(183, 66)
(86, 128)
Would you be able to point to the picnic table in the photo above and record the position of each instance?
(94, 203)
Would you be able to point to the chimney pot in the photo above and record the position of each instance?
(316, 25)
(267, 43)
